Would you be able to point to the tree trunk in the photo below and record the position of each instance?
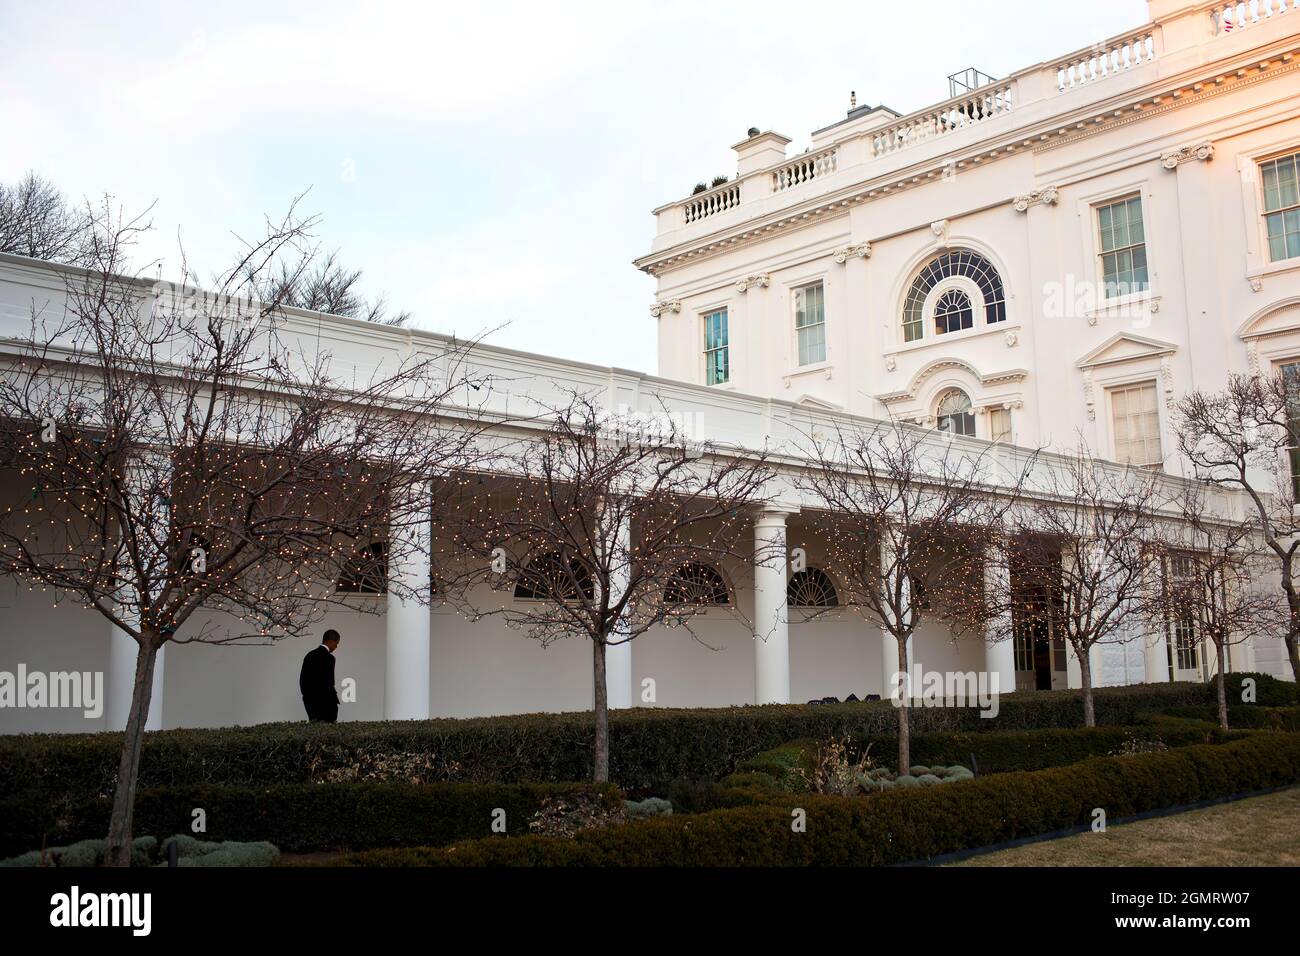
(600, 772)
(1293, 654)
(118, 852)
(1085, 681)
(904, 693)
(1220, 688)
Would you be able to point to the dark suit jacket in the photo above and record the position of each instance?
(316, 681)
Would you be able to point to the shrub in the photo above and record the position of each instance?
(82, 853)
(896, 826)
(649, 807)
(303, 817)
(649, 748)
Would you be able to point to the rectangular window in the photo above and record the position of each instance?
(717, 362)
(1000, 424)
(1058, 654)
(1024, 648)
(810, 323)
(1291, 376)
(1182, 574)
(1281, 179)
(1123, 247)
(1136, 421)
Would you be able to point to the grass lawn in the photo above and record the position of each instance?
(1258, 831)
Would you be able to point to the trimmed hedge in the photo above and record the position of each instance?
(300, 817)
(896, 826)
(649, 748)
(1245, 716)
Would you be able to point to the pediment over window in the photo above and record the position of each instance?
(952, 365)
(1126, 347)
(812, 401)
(1279, 317)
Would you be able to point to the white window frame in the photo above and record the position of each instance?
(1105, 299)
(1090, 224)
(1264, 212)
(795, 289)
(1252, 202)
(1152, 381)
(704, 344)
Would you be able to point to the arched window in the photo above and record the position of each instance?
(551, 575)
(811, 588)
(960, 263)
(955, 414)
(696, 584)
(366, 572)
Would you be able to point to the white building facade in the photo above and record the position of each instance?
(1049, 259)
(935, 267)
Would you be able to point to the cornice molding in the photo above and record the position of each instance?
(1041, 137)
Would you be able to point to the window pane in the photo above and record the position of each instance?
(1135, 229)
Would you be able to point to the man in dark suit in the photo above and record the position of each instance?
(316, 680)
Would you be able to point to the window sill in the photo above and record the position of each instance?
(1123, 306)
(977, 332)
(826, 367)
(1274, 268)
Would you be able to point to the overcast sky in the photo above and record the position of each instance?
(485, 164)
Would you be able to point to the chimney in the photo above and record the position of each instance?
(759, 151)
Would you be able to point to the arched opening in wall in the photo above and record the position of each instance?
(953, 276)
(366, 572)
(551, 575)
(696, 585)
(811, 588)
(955, 414)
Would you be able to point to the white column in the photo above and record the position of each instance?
(120, 680)
(1156, 655)
(889, 567)
(999, 648)
(406, 626)
(771, 616)
(618, 657)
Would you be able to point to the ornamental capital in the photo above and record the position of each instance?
(860, 250)
(760, 280)
(1203, 152)
(1044, 195)
(665, 305)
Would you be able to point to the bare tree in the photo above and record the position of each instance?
(609, 525)
(1088, 541)
(323, 284)
(1247, 436)
(904, 514)
(37, 222)
(182, 454)
(1212, 586)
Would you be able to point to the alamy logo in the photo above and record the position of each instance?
(102, 909)
(38, 689)
(951, 688)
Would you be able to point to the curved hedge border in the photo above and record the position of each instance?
(896, 827)
(649, 748)
(300, 817)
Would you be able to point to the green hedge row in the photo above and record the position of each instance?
(994, 752)
(1245, 716)
(896, 826)
(299, 817)
(649, 748)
